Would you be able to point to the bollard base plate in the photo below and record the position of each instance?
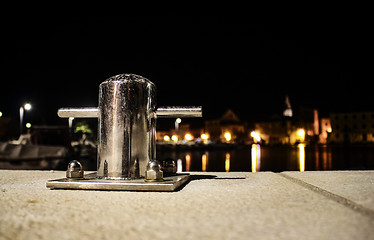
(91, 182)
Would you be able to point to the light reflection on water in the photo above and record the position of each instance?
(204, 162)
(227, 162)
(257, 157)
(301, 157)
(188, 162)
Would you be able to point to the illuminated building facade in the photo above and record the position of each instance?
(304, 126)
(352, 127)
(227, 128)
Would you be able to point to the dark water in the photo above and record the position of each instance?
(274, 158)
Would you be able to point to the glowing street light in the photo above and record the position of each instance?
(256, 136)
(174, 138)
(227, 136)
(188, 137)
(204, 137)
(177, 122)
(28, 125)
(27, 107)
(301, 134)
(166, 138)
(176, 125)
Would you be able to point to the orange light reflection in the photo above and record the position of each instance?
(204, 162)
(227, 162)
(301, 157)
(256, 157)
(188, 162)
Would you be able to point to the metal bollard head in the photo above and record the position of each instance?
(153, 172)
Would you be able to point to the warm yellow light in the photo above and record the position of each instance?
(27, 106)
(227, 136)
(227, 162)
(178, 120)
(174, 138)
(256, 157)
(28, 125)
(329, 130)
(256, 136)
(301, 133)
(301, 157)
(204, 136)
(188, 162)
(1, 114)
(188, 137)
(204, 162)
(166, 138)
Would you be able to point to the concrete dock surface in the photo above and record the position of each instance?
(213, 205)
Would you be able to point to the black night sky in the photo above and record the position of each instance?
(215, 62)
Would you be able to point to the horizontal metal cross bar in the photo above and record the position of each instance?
(182, 112)
(162, 112)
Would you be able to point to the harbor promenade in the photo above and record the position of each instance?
(213, 205)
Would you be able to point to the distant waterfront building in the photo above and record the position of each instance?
(352, 127)
(274, 131)
(304, 126)
(228, 124)
(228, 129)
(326, 129)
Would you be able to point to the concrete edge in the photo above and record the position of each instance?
(339, 199)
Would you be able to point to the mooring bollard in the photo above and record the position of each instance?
(127, 116)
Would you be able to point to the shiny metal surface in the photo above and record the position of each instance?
(127, 127)
(161, 112)
(126, 140)
(75, 170)
(179, 112)
(78, 112)
(169, 167)
(91, 182)
(153, 172)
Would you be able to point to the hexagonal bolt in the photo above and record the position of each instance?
(153, 172)
(75, 170)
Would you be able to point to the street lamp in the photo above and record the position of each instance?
(204, 137)
(22, 109)
(188, 137)
(256, 136)
(301, 134)
(27, 106)
(174, 138)
(227, 136)
(177, 121)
